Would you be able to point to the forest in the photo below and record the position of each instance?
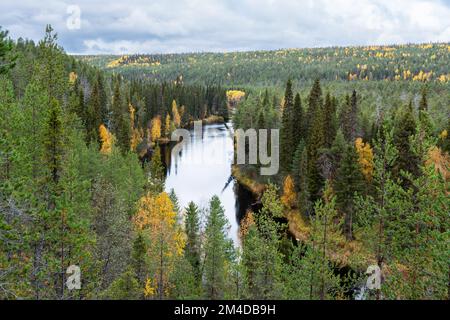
(363, 179)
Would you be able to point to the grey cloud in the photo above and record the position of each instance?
(206, 25)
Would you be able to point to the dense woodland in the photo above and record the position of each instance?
(363, 179)
(268, 68)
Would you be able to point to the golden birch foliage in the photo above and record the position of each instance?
(132, 112)
(150, 288)
(107, 140)
(289, 197)
(235, 95)
(168, 125)
(365, 154)
(156, 129)
(136, 135)
(157, 220)
(175, 114)
(136, 139)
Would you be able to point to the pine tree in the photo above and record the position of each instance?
(7, 61)
(51, 73)
(262, 262)
(53, 149)
(125, 287)
(216, 250)
(324, 240)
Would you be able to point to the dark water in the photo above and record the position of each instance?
(203, 168)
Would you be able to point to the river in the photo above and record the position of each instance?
(203, 168)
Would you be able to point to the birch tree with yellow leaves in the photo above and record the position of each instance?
(156, 219)
(106, 138)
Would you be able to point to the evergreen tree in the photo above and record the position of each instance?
(262, 262)
(287, 145)
(349, 118)
(7, 61)
(329, 121)
(315, 143)
(314, 104)
(53, 150)
(298, 131)
(349, 180)
(94, 115)
(405, 129)
(216, 250)
(50, 70)
(156, 172)
(324, 240)
(193, 245)
(138, 255)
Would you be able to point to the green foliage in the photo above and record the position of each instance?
(193, 242)
(7, 61)
(349, 180)
(216, 250)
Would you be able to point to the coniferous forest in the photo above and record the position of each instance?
(364, 158)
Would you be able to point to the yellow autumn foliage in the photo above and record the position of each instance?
(72, 77)
(168, 126)
(156, 129)
(235, 94)
(289, 197)
(106, 138)
(175, 114)
(157, 220)
(150, 289)
(365, 154)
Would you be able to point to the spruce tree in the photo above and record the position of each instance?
(316, 142)
(405, 129)
(314, 104)
(193, 245)
(287, 146)
(349, 180)
(329, 121)
(298, 131)
(349, 118)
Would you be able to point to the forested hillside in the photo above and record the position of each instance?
(426, 62)
(363, 179)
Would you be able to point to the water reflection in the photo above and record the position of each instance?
(202, 169)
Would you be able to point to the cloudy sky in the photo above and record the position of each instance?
(161, 26)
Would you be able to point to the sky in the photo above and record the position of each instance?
(168, 26)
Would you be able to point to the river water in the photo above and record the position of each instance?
(202, 169)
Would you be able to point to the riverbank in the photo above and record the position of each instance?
(298, 225)
(349, 254)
